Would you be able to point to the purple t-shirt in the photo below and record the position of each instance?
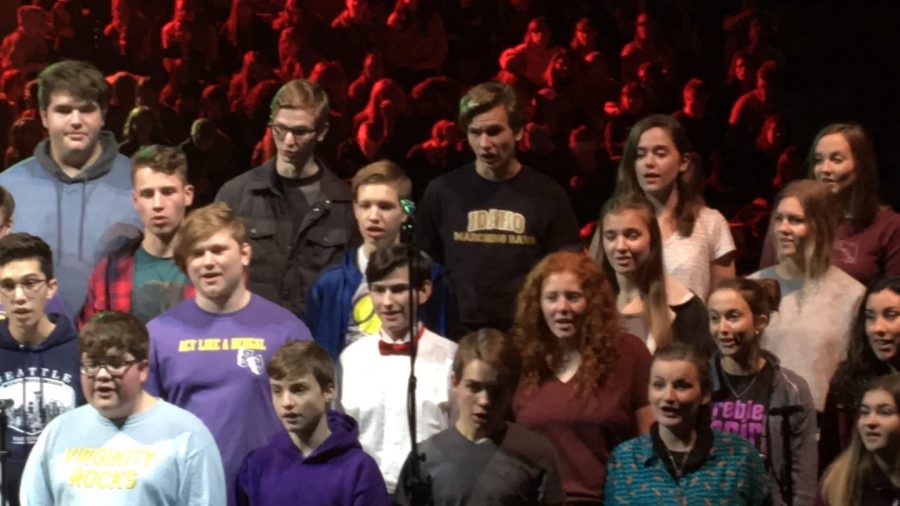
(214, 365)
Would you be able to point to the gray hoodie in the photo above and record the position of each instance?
(789, 397)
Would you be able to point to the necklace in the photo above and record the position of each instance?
(742, 392)
(679, 468)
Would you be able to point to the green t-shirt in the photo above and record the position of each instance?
(158, 285)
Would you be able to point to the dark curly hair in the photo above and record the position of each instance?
(598, 333)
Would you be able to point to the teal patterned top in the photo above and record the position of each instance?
(732, 474)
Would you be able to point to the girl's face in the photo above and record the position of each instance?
(883, 324)
(563, 303)
(879, 422)
(675, 393)
(833, 162)
(732, 325)
(658, 162)
(626, 240)
(789, 228)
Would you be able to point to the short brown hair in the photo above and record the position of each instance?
(484, 97)
(79, 78)
(114, 329)
(302, 94)
(383, 172)
(165, 159)
(203, 223)
(494, 348)
(299, 358)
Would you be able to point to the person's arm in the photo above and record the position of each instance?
(428, 223)
(891, 242)
(721, 269)
(203, 481)
(721, 246)
(616, 476)
(804, 448)
(153, 385)
(95, 298)
(369, 488)
(759, 485)
(562, 227)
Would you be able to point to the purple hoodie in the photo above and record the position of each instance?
(338, 472)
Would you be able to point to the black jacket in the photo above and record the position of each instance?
(286, 259)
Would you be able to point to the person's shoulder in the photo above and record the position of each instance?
(181, 420)
(529, 443)
(333, 274)
(636, 448)
(174, 314)
(23, 170)
(333, 187)
(709, 217)
(238, 184)
(767, 273)
(847, 283)
(436, 342)
(261, 304)
(630, 344)
(362, 348)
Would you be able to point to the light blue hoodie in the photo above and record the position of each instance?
(82, 219)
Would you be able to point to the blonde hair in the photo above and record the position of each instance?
(203, 223)
(844, 479)
(818, 205)
(383, 172)
(303, 94)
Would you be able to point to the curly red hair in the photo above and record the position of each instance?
(540, 349)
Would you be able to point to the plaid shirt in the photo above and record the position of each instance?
(112, 282)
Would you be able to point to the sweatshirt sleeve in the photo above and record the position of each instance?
(35, 489)
(203, 482)
(370, 488)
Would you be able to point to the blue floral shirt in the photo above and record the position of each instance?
(732, 474)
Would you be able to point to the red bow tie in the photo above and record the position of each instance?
(404, 348)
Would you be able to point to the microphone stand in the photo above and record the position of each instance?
(417, 483)
(4, 453)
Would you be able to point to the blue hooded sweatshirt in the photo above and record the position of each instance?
(337, 473)
(83, 219)
(40, 383)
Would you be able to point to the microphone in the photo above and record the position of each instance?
(409, 208)
(406, 230)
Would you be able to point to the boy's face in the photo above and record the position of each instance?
(160, 200)
(300, 402)
(216, 265)
(113, 383)
(481, 399)
(378, 213)
(73, 124)
(391, 299)
(24, 292)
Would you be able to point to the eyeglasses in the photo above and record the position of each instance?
(280, 131)
(116, 367)
(29, 286)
